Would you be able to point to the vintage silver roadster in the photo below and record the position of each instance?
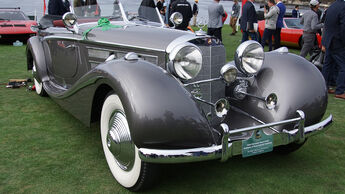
(163, 95)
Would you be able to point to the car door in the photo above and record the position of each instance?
(63, 58)
(291, 32)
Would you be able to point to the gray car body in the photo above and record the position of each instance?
(161, 112)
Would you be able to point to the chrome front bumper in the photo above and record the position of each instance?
(230, 148)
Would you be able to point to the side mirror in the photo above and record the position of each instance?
(70, 20)
(176, 18)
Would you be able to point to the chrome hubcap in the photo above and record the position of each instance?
(119, 141)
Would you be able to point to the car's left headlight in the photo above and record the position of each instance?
(186, 61)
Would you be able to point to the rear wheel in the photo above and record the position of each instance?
(38, 84)
(120, 152)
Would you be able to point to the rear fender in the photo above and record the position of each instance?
(298, 84)
(35, 51)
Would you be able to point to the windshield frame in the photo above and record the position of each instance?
(125, 16)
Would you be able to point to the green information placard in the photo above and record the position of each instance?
(257, 144)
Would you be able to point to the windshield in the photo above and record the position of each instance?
(12, 15)
(293, 23)
(143, 11)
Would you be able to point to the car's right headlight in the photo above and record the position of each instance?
(186, 60)
(249, 57)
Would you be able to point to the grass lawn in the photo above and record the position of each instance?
(43, 149)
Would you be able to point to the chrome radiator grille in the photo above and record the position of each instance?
(214, 58)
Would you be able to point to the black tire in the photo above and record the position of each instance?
(287, 149)
(127, 168)
(300, 42)
(38, 84)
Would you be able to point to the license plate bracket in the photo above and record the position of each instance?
(258, 143)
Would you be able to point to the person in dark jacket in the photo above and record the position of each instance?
(333, 43)
(183, 7)
(247, 21)
(58, 7)
(280, 25)
(295, 12)
(159, 5)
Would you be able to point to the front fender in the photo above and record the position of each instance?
(35, 51)
(160, 112)
(299, 85)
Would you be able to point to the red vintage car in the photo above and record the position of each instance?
(291, 34)
(15, 25)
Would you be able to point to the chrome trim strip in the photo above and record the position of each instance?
(53, 37)
(122, 52)
(180, 40)
(124, 16)
(232, 148)
(160, 17)
(101, 43)
(264, 126)
(203, 81)
(69, 92)
(180, 156)
(318, 127)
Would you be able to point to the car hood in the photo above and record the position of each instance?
(146, 37)
(18, 22)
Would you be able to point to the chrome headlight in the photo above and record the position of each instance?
(249, 57)
(176, 18)
(186, 60)
(229, 73)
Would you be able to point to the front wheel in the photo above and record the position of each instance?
(120, 152)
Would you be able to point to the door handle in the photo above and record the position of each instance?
(71, 46)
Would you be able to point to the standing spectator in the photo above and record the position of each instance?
(58, 7)
(215, 23)
(270, 23)
(295, 12)
(247, 21)
(159, 5)
(195, 12)
(235, 12)
(333, 43)
(311, 24)
(280, 24)
(184, 7)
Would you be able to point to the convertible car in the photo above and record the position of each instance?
(15, 25)
(163, 95)
(291, 34)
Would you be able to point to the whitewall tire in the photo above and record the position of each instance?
(126, 167)
(38, 85)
